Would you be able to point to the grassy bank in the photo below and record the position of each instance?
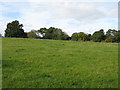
(34, 63)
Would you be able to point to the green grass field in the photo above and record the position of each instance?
(35, 63)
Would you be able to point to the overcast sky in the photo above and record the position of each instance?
(70, 15)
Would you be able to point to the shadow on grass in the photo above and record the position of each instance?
(12, 63)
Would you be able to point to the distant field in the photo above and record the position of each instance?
(34, 63)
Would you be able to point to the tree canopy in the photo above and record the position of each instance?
(53, 33)
(14, 29)
(81, 36)
(0, 35)
(98, 36)
(33, 34)
(111, 35)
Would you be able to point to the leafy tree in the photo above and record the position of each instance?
(74, 37)
(110, 35)
(111, 32)
(98, 36)
(43, 31)
(117, 36)
(51, 33)
(14, 29)
(65, 36)
(32, 34)
(81, 36)
(57, 34)
(0, 35)
(88, 37)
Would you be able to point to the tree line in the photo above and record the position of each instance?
(15, 29)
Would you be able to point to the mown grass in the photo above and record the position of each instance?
(33, 63)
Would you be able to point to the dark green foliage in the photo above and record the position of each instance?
(74, 37)
(0, 35)
(65, 36)
(53, 33)
(98, 36)
(117, 36)
(111, 35)
(81, 36)
(110, 32)
(42, 31)
(32, 34)
(14, 29)
(89, 37)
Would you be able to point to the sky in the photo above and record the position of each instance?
(69, 15)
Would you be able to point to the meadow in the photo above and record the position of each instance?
(37, 63)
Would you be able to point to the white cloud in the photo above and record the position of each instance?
(59, 0)
(69, 16)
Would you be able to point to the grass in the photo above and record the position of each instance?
(33, 63)
(0, 63)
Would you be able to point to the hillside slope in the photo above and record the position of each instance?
(34, 63)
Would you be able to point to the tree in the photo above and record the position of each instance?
(88, 37)
(65, 36)
(32, 34)
(42, 31)
(0, 35)
(98, 36)
(74, 37)
(14, 29)
(81, 36)
(117, 36)
(110, 35)
(57, 34)
(51, 33)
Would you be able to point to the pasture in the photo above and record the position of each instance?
(37, 63)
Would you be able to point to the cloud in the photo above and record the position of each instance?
(69, 16)
(59, 0)
(79, 11)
